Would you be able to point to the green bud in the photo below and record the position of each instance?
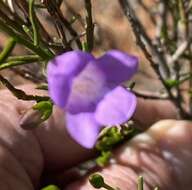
(36, 115)
(171, 83)
(96, 181)
(51, 187)
(45, 107)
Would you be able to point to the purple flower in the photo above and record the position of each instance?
(88, 90)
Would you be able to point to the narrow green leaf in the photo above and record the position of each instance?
(7, 50)
(85, 46)
(34, 24)
(43, 86)
(27, 31)
(28, 58)
(19, 60)
(12, 64)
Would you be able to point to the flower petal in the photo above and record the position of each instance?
(61, 71)
(116, 107)
(83, 128)
(88, 89)
(117, 66)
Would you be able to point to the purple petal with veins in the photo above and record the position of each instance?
(116, 107)
(83, 128)
(61, 71)
(117, 66)
(88, 89)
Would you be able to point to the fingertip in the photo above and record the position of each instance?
(150, 111)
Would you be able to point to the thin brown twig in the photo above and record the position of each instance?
(58, 23)
(79, 36)
(162, 35)
(74, 13)
(179, 51)
(89, 25)
(139, 31)
(55, 12)
(23, 5)
(148, 95)
(11, 14)
(147, 10)
(17, 27)
(182, 44)
(28, 75)
(20, 94)
(141, 35)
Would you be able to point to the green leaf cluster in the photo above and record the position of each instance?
(110, 138)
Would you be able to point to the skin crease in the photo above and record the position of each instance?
(162, 154)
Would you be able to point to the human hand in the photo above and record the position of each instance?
(161, 154)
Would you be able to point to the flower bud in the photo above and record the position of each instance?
(51, 187)
(36, 115)
(31, 119)
(96, 181)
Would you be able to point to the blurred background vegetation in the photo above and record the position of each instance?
(158, 32)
